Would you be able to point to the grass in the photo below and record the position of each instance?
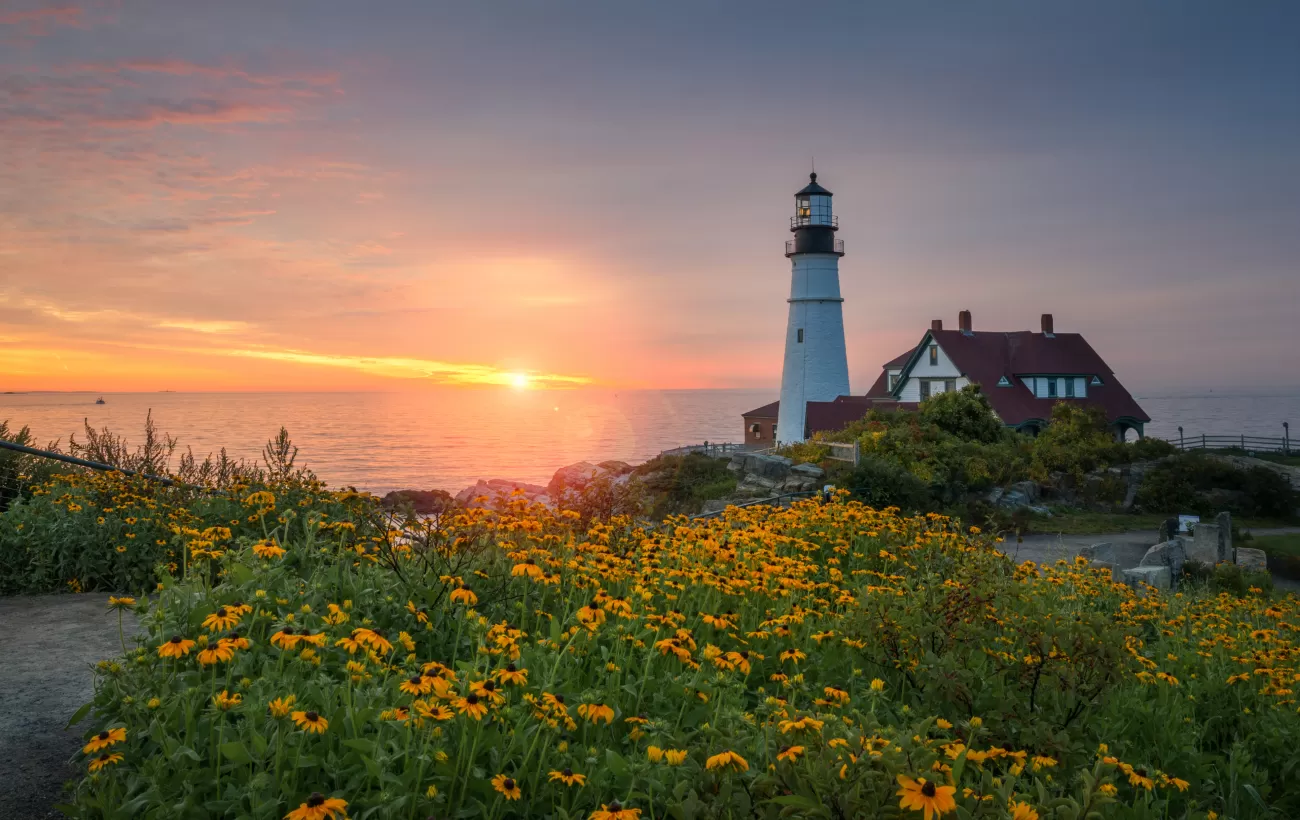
(1291, 460)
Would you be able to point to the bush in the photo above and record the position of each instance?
(678, 484)
(1189, 483)
(964, 413)
(879, 483)
(1077, 441)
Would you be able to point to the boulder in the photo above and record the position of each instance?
(1224, 520)
(1029, 489)
(499, 492)
(1141, 577)
(1013, 500)
(424, 502)
(1122, 555)
(1252, 560)
(1040, 510)
(1208, 544)
(1168, 554)
(810, 470)
(775, 468)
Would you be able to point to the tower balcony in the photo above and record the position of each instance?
(793, 246)
(814, 221)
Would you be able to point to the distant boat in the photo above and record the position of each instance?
(100, 400)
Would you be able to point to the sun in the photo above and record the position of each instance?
(519, 381)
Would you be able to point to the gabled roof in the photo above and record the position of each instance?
(880, 387)
(985, 357)
(767, 411)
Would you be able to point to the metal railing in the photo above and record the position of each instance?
(714, 449)
(789, 248)
(814, 222)
(1239, 441)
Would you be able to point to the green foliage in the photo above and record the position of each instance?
(964, 413)
(1188, 484)
(880, 483)
(1076, 442)
(1227, 578)
(1283, 553)
(678, 484)
(20, 472)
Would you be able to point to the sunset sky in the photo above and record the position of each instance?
(343, 195)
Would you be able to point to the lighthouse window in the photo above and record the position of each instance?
(799, 333)
(802, 209)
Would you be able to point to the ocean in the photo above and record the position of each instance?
(448, 438)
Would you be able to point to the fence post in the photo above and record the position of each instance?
(1286, 438)
(1180, 438)
(1202, 441)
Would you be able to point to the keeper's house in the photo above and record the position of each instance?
(1023, 374)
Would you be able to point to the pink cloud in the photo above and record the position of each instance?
(39, 22)
(193, 112)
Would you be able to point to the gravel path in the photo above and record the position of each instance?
(48, 646)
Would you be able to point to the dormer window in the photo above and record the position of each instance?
(934, 355)
(1051, 388)
(1004, 382)
(1096, 381)
(1069, 388)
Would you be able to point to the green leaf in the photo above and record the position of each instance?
(363, 745)
(615, 761)
(70, 811)
(79, 715)
(235, 752)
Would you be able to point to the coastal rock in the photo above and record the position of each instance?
(809, 470)
(577, 476)
(424, 502)
(774, 468)
(1209, 545)
(498, 492)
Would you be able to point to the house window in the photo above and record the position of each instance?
(1004, 382)
(934, 355)
(1069, 388)
(925, 389)
(757, 430)
(1051, 388)
(893, 381)
(949, 385)
(1096, 381)
(799, 335)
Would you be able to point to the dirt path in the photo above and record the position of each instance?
(48, 645)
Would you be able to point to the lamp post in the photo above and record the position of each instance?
(1180, 437)
(1286, 438)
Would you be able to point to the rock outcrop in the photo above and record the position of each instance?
(497, 492)
(424, 502)
(577, 476)
(765, 476)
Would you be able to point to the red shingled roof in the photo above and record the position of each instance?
(767, 411)
(880, 388)
(985, 357)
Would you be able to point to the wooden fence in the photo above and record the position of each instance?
(1240, 441)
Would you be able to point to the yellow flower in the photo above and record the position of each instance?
(789, 753)
(264, 549)
(654, 753)
(310, 722)
(923, 796)
(727, 760)
(226, 701)
(319, 807)
(1108, 789)
(1022, 811)
(176, 647)
(568, 777)
(106, 759)
(463, 595)
(596, 712)
(507, 786)
(614, 811)
(280, 706)
(877, 685)
(105, 739)
(675, 757)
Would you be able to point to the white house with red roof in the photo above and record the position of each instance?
(1023, 374)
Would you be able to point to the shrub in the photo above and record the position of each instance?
(964, 413)
(1076, 442)
(679, 484)
(879, 483)
(1188, 484)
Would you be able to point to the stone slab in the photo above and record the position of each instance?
(1158, 577)
(1252, 559)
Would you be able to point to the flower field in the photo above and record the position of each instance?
(306, 656)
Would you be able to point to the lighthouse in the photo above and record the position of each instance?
(816, 367)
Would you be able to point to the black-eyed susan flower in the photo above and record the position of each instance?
(513, 675)
(596, 712)
(1022, 811)
(319, 807)
(104, 739)
(176, 647)
(507, 786)
(471, 705)
(105, 759)
(280, 706)
(310, 721)
(923, 796)
(221, 620)
(675, 757)
(432, 711)
(789, 753)
(219, 652)
(463, 595)
(286, 638)
(416, 685)
(124, 602)
(726, 760)
(225, 701)
(614, 811)
(268, 550)
(568, 777)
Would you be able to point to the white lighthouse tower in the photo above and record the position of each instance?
(816, 366)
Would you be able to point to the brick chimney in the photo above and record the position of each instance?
(1047, 325)
(963, 322)
(936, 324)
